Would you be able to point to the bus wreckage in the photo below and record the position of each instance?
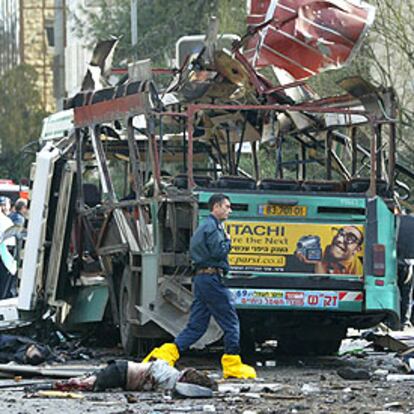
(312, 186)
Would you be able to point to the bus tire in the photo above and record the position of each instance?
(247, 343)
(126, 330)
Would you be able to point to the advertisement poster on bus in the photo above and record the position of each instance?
(296, 247)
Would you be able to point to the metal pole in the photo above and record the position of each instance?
(21, 32)
(329, 142)
(134, 25)
(354, 145)
(59, 56)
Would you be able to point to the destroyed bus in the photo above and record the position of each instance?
(311, 180)
(115, 203)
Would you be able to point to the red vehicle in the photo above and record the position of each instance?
(12, 190)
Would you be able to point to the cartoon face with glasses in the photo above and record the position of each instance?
(346, 243)
(340, 257)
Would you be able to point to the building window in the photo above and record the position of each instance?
(50, 33)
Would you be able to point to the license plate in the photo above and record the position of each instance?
(280, 210)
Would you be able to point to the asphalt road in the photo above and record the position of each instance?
(285, 385)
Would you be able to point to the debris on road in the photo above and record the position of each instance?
(380, 373)
(311, 388)
(353, 346)
(349, 373)
(56, 371)
(56, 394)
(185, 390)
(386, 342)
(400, 377)
(237, 388)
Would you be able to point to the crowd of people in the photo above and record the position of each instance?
(12, 219)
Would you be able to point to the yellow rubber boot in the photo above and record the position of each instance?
(167, 352)
(233, 367)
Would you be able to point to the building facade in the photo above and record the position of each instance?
(37, 44)
(28, 36)
(9, 40)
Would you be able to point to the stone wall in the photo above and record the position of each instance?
(36, 15)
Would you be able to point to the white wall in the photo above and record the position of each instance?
(76, 55)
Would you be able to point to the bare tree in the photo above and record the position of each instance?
(391, 54)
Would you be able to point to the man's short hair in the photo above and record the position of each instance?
(20, 203)
(216, 199)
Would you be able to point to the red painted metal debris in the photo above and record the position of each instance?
(305, 37)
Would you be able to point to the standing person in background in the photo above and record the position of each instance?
(209, 249)
(5, 221)
(8, 266)
(18, 216)
(5, 205)
(405, 257)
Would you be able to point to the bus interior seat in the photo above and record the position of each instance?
(323, 186)
(92, 194)
(181, 181)
(270, 184)
(235, 182)
(361, 185)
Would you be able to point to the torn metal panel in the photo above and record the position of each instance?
(33, 263)
(388, 342)
(61, 232)
(110, 238)
(173, 321)
(47, 371)
(306, 37)
(231, 123)
(105, 106)
(232, 69)
(100, 65)
(125, 230)
(375, 100)
(89, 305)
(8, 313)
(174, 293)
(104, 174)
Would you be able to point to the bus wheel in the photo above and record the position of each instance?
(247, 343)
(324, 347)
(128, 339)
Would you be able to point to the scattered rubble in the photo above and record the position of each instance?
(386, 342)
(349, 373)
(56, 394)
(311, 385)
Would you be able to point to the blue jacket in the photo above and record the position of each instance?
(209, 246)
(17, 218)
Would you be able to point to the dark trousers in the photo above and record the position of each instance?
(405, 283)
(211, 298)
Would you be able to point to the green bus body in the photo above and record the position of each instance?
(358, 301)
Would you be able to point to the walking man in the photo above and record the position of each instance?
(209, 249)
